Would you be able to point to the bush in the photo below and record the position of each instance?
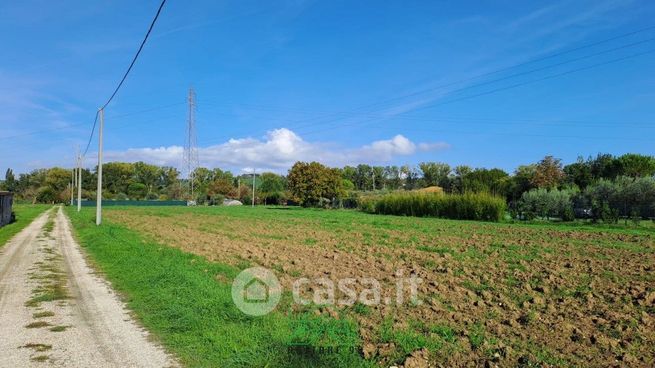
(624, 196)
(216, 200)
(121, 197)
(547, 203)
(46, 195)
(274, 198)
(467, 206)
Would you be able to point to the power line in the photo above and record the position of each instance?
(510, 86)
(69, 126)
(36, 132)
(505, 77)
(413, 94)
(136, 56)
(541, 79)
(127, 72)
(95, 121)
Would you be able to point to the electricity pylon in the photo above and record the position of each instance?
(191, 143)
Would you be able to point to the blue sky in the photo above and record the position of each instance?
(341, 82)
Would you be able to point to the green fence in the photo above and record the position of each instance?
(131, 203)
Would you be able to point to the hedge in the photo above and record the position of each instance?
(467, 206)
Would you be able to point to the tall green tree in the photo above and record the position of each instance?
(436, 174)
(147, 175)
(10, 181)
(636, 166)
(311, 183)
(579, 173)
(495, 181)
(604, 166)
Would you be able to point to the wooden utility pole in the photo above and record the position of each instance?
(72, 184)
(99, 193)
(79, 181)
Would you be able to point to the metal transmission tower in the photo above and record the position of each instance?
(191, 144)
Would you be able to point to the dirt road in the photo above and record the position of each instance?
(55, 312)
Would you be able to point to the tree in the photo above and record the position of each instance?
(147, 175)
(579, 173)
(545, 203)
(548, 173)
(494, 181)
(312, 183)
(377, 173)
(58, 180)
(521, 182)
(221, 187)
(635, 165)
(364, 177)
(117, 176)
(271, 188)
(349, 173)
(604, 166)
(393, 177)
(137, 191)
(10, 181)
(168, 176)
(436, 174)
(202, 177)
(411, 176)
(457, 184)
(271, 183)
(46, 195)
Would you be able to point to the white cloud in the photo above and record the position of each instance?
(278, 151)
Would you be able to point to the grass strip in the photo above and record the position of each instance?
(182, 300)
(25, 214)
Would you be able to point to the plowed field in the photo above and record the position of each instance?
(494, 294)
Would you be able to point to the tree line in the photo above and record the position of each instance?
(609, 185)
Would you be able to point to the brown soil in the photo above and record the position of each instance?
(541, 296)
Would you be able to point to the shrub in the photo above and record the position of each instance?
(274, 198)
(624, 196)
(467, 206)
(547, 203)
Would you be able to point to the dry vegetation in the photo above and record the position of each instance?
(505, 294)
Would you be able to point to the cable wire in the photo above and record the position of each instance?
(486, 74)
(429, 106)
(127, 72)
(95, 121)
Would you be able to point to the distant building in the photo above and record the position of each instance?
(6, 200)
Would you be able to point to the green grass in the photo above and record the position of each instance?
(25, 214)
(59, 328)
(37, 347)
(43, 314)
(37, 324)
(40, 358)
(179, 297)
(412, 338)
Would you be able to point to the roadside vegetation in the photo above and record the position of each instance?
(185, 301)
(25, 213)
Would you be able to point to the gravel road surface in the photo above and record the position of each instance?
(56, 312)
